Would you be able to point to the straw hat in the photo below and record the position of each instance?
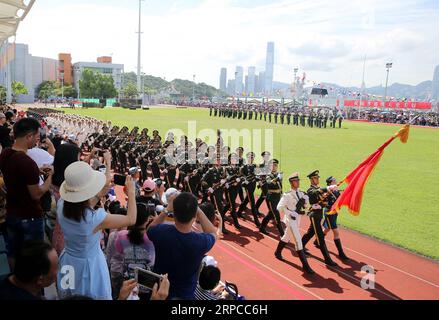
(81, 182)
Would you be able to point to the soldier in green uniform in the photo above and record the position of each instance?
(248, 171)
(212, 184)
(274, 193)
(317, 198)
(232, 186)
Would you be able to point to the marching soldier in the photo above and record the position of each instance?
(293, 205)
(262, 171)
(276, 114)
(248, 171)
(330, 222)
(232, 186)
(316, 199)
(274, 192)
(289, 118)
(212, 183)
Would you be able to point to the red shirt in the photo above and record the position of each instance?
(20, 171)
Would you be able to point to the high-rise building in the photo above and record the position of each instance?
(261, 82)
(251, 81)
(231, 87)
(246, 85)
(269, 68)
(239, 77)
(256, 85)
(435, 85)
(223, 80)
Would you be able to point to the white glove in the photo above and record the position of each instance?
(210, 190)
(238, 180)
(280, 176)
(316, 206)
(165, 171)
(305, 196)
(223, 181)
(186, 179)
(227, 186)
(332, 188)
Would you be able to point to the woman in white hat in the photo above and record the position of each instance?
(83, 268)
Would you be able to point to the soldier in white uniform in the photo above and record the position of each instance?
(292, 205)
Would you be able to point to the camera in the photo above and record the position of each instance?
(43, 135)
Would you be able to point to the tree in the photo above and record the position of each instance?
(130, 90)
(2, 95)
(17, 89)
(46, 89)
(96, 85)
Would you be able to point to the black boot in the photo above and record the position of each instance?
(278, 254)
(263, 226)
(316, 244)
(328, 261)
(256, 219)
(341, 253)
(235, 220)
(304, 261)
(224, 230)
(280, 229)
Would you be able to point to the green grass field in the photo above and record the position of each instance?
(401, 200)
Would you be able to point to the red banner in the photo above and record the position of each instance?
(389, 104)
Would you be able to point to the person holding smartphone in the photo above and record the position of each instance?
(179, 250)
(82, 227)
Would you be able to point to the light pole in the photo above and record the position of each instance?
(139, 48)
(62, 86)
(388, 67)
(193, 90)
(295, 85)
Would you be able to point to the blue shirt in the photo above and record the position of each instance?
(179, 255)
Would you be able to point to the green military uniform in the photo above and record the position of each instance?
(274, 193)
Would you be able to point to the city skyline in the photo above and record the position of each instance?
(328, 41)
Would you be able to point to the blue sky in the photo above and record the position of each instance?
(326, 39)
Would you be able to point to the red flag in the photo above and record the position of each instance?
(352, 196)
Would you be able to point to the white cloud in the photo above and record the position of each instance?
(327, 39)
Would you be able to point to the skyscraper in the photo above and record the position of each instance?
(261, 83)
(251, 81)
(239, 76)
(269, 68)
(231, 87)
(223, 80)
(435, 85)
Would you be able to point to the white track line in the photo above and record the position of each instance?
(339, 270)
(268, 268)
(272, 270)
(369, 257)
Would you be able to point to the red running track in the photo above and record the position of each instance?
(246, 258)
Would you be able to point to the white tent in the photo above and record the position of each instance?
(12, 12)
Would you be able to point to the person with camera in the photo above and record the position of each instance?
(21, 175)
(82, 221)
(133, 249)
(180, 250)
(293, 205)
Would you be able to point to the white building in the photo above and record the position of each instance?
(111, 69)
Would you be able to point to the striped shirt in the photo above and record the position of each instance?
(201, 294)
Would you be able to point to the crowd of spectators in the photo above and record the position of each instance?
(68, 227)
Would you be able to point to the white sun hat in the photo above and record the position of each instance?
(81, 182)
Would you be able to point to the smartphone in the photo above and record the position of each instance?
(119, 180)
(101, 153)
(43, 135)
(102, 168)
(146, 279)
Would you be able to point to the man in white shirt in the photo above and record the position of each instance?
(292, 205)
